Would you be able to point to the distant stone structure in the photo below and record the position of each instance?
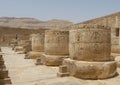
(4, 78)
(37, 43)
(90, 53)
(56, 47)
(27, 46)
(22, 46)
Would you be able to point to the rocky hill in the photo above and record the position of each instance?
(32, 23)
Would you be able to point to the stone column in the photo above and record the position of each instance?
(37, 42)
(27, 46)
(4, 79)
(19, 48)
(56, 47)
(90, 49)
(37, 45)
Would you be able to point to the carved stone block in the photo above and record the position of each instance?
(91, 70)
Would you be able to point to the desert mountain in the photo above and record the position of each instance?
(32, 23)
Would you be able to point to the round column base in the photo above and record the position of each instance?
(33, 55)
(91, 70)
(52, 60)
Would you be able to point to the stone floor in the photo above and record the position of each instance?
(25, 72)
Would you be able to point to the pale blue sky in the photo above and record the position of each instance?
(72, 10)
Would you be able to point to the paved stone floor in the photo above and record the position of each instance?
(24, 71)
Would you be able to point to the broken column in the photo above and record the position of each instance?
(13, 43)
(4, 79)
(27, 46)
(24, 46)
(89, 50)
(37, 45)
(56, 47)
(19, 47)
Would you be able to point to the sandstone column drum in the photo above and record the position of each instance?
(90, 49)
(56, 47)
(37, 45)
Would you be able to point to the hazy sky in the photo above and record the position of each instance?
(73, 10)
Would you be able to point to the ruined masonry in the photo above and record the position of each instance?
(37, 43)
(89, 51)
(56, 47)
(4, 78)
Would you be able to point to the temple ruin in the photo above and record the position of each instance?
(78, 54)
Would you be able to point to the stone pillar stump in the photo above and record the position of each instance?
(56, 47)
(90, 49)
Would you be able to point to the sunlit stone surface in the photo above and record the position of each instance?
(90, 49)
(56, 47)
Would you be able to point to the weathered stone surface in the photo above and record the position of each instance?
(21, 42)
(90, 44)
(90, 53)
(19, 48)
(13, 43)
(117, 59)
(63, 69)
(0, 56)
(33, 55)
(37, 42)
(56, 42)
(27, 46)
(52, 60)
(62, 74)
(56, 47)
(3, 73)
(115, 49)
(5, 81)
(38, 61)
(91, 70)
(1, 62)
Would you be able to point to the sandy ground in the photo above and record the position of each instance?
(25, 72)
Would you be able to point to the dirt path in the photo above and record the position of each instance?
(25, 72)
